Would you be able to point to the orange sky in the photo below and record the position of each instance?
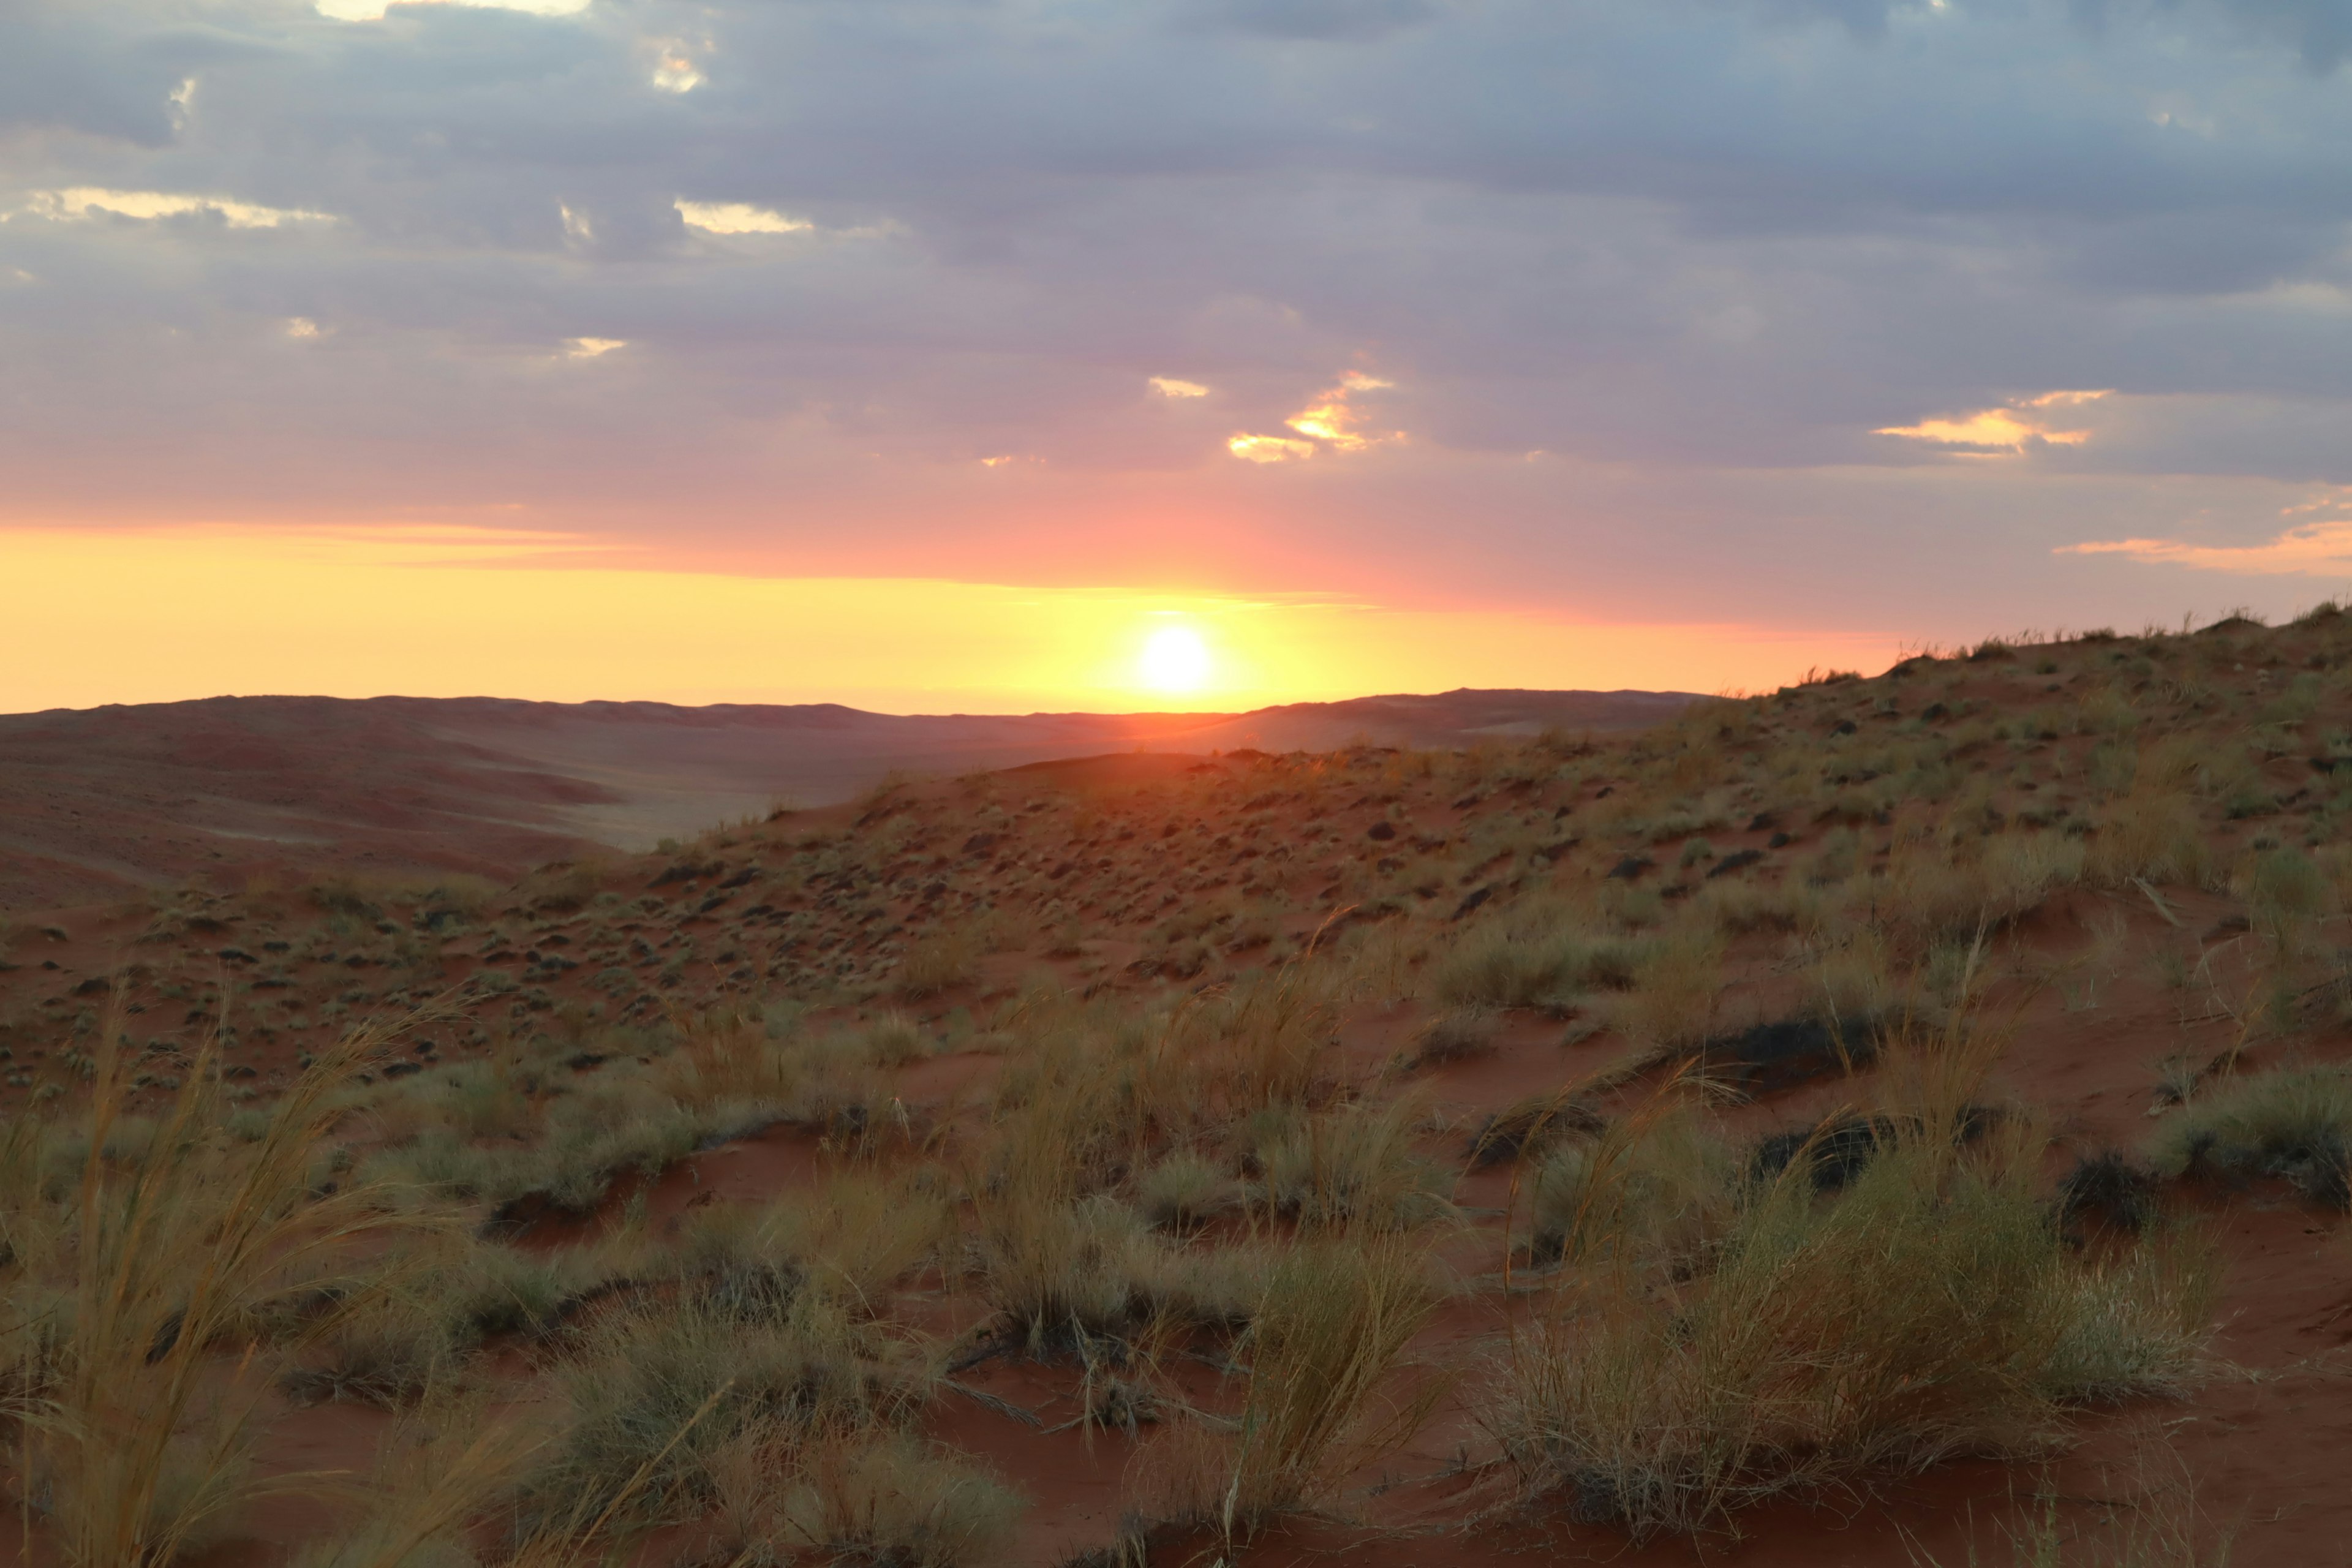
(130, 616)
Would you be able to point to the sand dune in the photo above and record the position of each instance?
(97, 801)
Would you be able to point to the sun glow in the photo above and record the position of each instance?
(1175, 658)
(450, 609)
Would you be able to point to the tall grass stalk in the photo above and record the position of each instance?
(1325, 1351)
(173, 1247)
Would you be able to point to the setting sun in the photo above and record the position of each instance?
(1174, 659)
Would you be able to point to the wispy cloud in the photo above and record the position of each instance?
(2319, 547)
(2009, 430)
(79, 203)
(738, 217)
(1268, 449)
(592, 348)
(1169, 387)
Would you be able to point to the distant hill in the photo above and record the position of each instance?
(97, 801)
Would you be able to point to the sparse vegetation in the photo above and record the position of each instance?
(1714, 1088)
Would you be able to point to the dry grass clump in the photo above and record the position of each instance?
(1455, 1035)
(1675, 986)
(1933, 894)
(1328, 1390)
(938, 962)
(171, 1248)
(657, 1389)
(1183, 1190)
(2286, 892)
(1532, 961)
(1354, 1164)
(852, 1238)
(2154, 835)
(1930, 1309)
(786, 1496)
(1649, 1188)
(2293, 1122)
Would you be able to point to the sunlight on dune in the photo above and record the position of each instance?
(136, 616)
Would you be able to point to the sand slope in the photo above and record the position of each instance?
(94, 802)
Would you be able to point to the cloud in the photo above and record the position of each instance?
(2320, 547)
(1269, 448)
(376, 10)
(1169, 387)
(674, 67)
(1329, 424)
(1322, 21)
(83, 201)
(738, 217)
(592, 348)
(1696, 252)
(1995, 431)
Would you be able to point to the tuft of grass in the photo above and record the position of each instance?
(2293, 1122)
(657, 1390)
(1328, 1391)
(1356, 1165)
(1787, 1365)
(179, 1239)
(941, 960)
(1532, 964)
(1651, 1186)
(1183, 1190)
(881, 1497)
(2152, 834)
(1454, 1036)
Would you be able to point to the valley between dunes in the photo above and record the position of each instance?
(1891, 1121)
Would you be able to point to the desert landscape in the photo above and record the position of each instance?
(1888, 1121)
(1175, 783)
(106, 800)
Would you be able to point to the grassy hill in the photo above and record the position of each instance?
(1888, 1120)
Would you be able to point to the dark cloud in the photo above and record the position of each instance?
(2320, 31)
(1325, 20)
(65, 69)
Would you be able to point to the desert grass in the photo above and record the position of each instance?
(1540, 957)
(656, 1389)
(172, 1251)
(2293, 1122)
(1356, 1165)
(1330, 1392)
(1151, 1157)
(1777, 1361)
(784, 1496)
(1652, 1186)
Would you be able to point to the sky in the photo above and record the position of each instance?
(936, 354)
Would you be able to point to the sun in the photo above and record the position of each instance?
(1175, 658)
